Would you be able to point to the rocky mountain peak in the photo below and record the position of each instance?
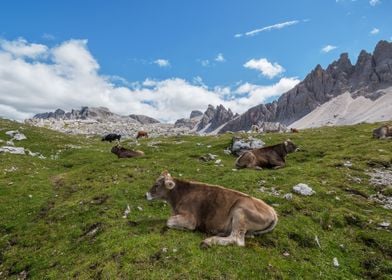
(367, 78)
(195, 113)
(382, 52)
(221, 116)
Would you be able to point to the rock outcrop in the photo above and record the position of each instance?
(195, 114)
(144, 119)
(370, 74)
(209, 121)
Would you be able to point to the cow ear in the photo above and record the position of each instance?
(169, 184)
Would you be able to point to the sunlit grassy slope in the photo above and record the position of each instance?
(62, 217)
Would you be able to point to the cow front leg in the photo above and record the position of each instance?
(181, 222)
(278, 164)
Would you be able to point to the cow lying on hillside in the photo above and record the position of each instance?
(383, 131)
(267, 157)
(141, 134)
(111, 137)
(227, 214)
(294, 130)
(125, 153)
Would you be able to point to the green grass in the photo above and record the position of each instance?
(62, 218)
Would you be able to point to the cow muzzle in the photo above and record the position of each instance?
(149, 196)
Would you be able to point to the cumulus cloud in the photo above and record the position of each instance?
(266, 68)
(328, 48)
(21, 48)
(204, 62)
(69, 78)
(256, 94)
(267, 28)
(220, 58)
(374, 2)
(162, 62)
(374, 31)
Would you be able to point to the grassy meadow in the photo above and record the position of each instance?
(62, 217)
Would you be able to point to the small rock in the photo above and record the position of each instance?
(208, 146)
(180, 174)
(208, 157)
(16, 135)
(288, 196)
(127, 211)
(12, 150)
(286, 254)
(10, 143)
(317, 241)
(11, 169)
(164, 250)
(335, 262)
(337, 198)
(234, 169)
(139, 208)
(174, 250)
(218, 161)
(303, 189)
(384, 224)
(30, 196)
(347, 163)
(227, 152)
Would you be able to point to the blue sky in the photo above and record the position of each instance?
(191, 42)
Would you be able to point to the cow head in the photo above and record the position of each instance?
(162, 186)
(290, 146)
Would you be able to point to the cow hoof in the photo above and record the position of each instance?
(204, 245)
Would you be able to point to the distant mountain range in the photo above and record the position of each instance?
(363, 92)
(97, 113)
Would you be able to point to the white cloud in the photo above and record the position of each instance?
(257, 94)
(48, 37)
(375, 31)
(328, 48)
(266, 68)
(162, 62)
(220, 58)
(68, 78)
(21, 48)
(374, 2)
(205, 62)
(268, 28)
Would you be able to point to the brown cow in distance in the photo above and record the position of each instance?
(126, 153)
(141, 134)
(228, 214)
(294, 130)
(384, 131)
(266, 157)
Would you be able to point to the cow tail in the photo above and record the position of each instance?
(270, 227)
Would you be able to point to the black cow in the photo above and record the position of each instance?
(111, 137)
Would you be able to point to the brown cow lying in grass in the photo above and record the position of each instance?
(126, 153)
(141, 134)
(267, 157)
(384, 131)
(294, 130)
(228, 214)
